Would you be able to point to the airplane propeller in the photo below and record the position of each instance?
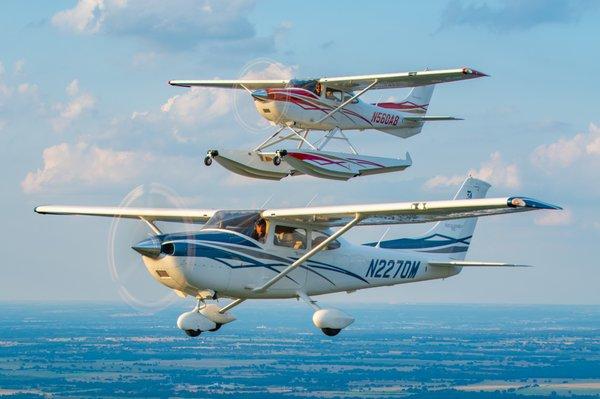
(243, 107)
(128, 239)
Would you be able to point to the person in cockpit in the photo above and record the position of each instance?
(260, 230)
(318, 89)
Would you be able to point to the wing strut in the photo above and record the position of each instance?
(308, 255)
(348, 101)
(231, 305)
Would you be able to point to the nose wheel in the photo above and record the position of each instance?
(208, 159)
(278, 157)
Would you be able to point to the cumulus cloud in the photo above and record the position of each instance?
(268, 69)
(80, 102)
(513, 15)
(554, 218)
(5, 91)
(85, 164)
(196, 105)
(495, 171)
(87, 16)
(173, 24)
(567, 151)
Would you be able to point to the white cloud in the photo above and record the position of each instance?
(87, 16)
(5, 91)
(80, 102)
(272, 70)
(197, 105)
(174, 23)
(82, 163)
(27, 88)
(567, 151)
(19, 67)
(495, 171)
(554, 218)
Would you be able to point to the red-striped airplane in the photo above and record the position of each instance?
(330, 105)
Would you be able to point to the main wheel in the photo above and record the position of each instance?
(216, 328)
(331, 332)
(276, 160)
(193, 333)
(208, 161)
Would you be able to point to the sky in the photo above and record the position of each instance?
(86, 116)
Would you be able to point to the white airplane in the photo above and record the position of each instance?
(292, 253)
(329, 104)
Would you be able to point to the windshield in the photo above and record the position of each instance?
(309, 84)
(240, 221)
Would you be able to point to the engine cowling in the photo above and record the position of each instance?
(331, 321)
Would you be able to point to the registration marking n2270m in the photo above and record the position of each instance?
(391, 268)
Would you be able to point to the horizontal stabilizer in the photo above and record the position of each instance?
(427, 118)
(465, 263)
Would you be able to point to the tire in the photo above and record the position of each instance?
(277, 160)
(216, 328)
(193, 333)
(208, 161)
(331, 332)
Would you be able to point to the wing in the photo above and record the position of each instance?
(402, 79)
(405, 212)
(150, 214)
(232, 84)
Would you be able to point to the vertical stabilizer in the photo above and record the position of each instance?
(448, 238)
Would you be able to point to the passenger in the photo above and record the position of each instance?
(318, 89)
(260, 230)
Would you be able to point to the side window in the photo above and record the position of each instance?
(318, 237)
(348, 96)
(290, 237)
(332, 94)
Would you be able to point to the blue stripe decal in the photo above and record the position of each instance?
(226, 257)
(432, 241)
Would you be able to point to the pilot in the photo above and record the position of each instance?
(318, 89)
(329, 93)
(260, 230)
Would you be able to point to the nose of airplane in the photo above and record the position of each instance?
(150, 247)
(260, 95)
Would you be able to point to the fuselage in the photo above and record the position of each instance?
(305, 109)
(232, 264)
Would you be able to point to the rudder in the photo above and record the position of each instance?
(448, 238)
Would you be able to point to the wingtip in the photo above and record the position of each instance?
(525, 202)
(474, 72)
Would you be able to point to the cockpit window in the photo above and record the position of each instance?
(348, 96)
(243, 222)
(309, 84)
(320, 236)
(333, 94)
(291, 237)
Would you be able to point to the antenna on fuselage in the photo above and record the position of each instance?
(382, 237)
(266, 202)
(311, 200)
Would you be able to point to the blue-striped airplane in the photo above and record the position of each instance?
(294, 253)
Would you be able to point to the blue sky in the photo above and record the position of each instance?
(86, 116)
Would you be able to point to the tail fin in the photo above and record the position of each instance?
(416, 102)
(449, 237)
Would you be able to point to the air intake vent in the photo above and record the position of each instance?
(162, 273)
